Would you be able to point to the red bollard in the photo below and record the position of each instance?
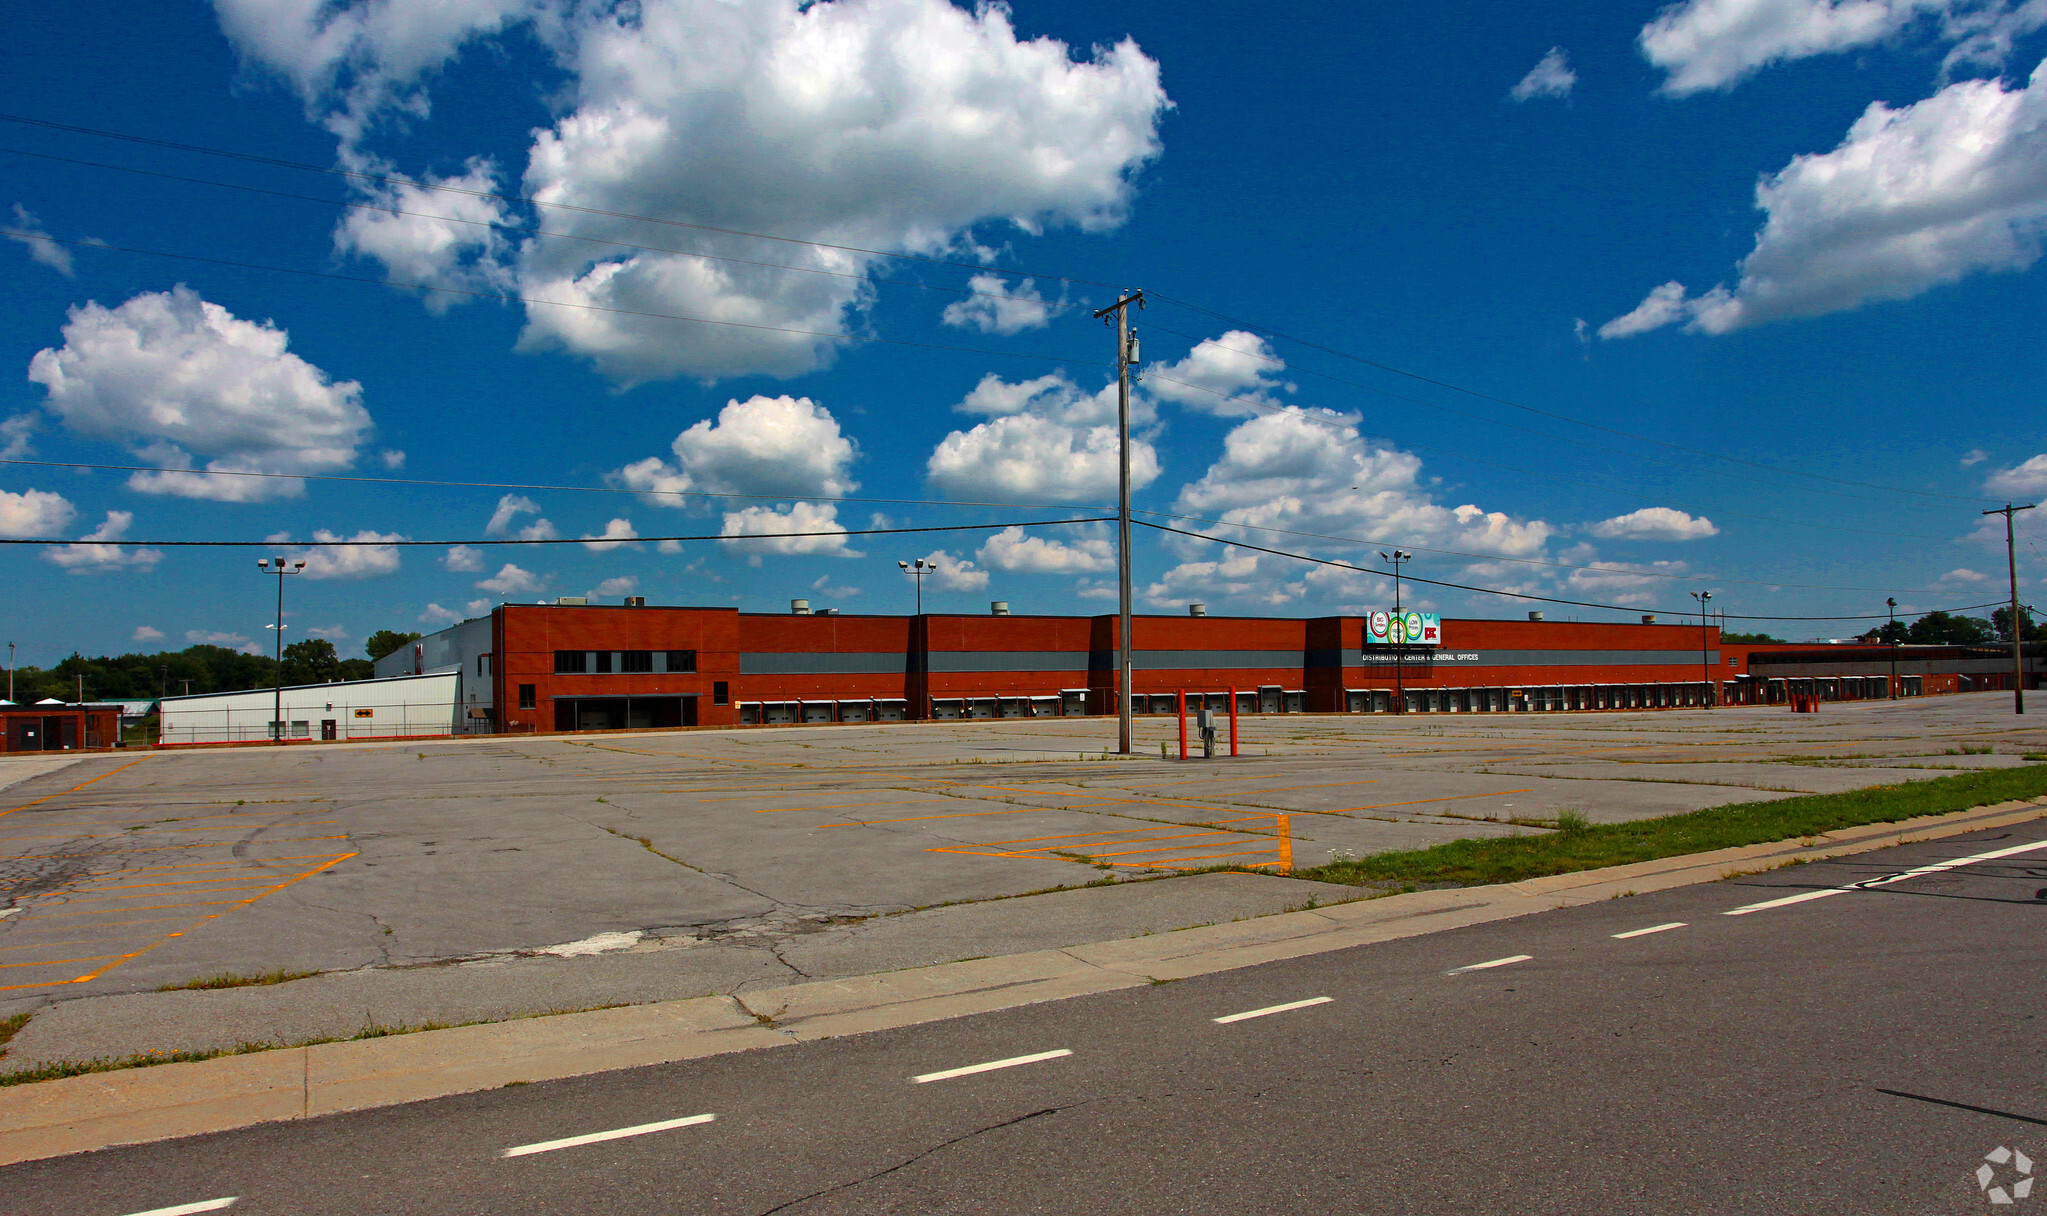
(1182, 697)
(1233, 721)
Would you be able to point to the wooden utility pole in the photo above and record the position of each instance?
(1126, 357)
(2018, 631)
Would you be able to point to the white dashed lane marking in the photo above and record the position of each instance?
(548, 1146)
(1938, 866)
(1498, 962)
(990, 1066)
(1270, 1009)
(1676, 924)
(186, 1209)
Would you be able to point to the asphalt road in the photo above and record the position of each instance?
(1860, 1052)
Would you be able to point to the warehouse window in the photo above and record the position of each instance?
(721, 693)
(682, 660)
(603, 665)
(571, 662)
(483, 663)
(636, 660)
(526, 696)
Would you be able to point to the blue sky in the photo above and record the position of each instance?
(1736, 295)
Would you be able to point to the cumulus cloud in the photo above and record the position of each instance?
(891, 125)
(1912, 199)
(623, 584)
(764, 522)
(34, 513)
(951, 573)
(1238, 365)
(14, 433)
(463, 559)
(510, 508)
(437, 615)
(1715, 44)
(1021, 552)
(825, 586)
(392, 458)
(1655, 523)
(763, 445)
(1235, 575)
(442, 232)
(1625, 582)
(28, 232)
(615, 534)
(96, 553)
(1966, 578)
(360, 560)
(1974, 456)
(1550, 77)
(2023, 479)
(175, 378)
(1046, 440)
(146, 633)
(233, 641)
(511, 580)
(998, 308)
(330, 632)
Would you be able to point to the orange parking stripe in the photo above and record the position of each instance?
(58, 962)
(1022, 810)
(74, 789)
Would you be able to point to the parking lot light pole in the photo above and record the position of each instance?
(279, 567)
(1705, 668)
(1400, 629)
(921, 569)
(1891, 635)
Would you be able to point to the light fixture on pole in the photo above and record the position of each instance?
(1705, 668)
(279, 567)
(1399, 632)
(1891, 636)
(918, 571)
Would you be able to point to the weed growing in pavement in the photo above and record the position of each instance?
(1513, 858)
(1571, 819)
(2034, 756)
(228, 979)
(10, 1026)
(1971, 749)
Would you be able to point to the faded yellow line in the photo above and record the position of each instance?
(74, 789)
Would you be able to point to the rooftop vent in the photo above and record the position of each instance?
(1197, 610)
(636, 601)
(1648, 618)
(800, 607)
(1535, 616)
(571, 601)
(826, 612)
(998, 608)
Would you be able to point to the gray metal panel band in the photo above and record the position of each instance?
(796, 663)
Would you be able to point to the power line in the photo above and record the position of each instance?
(399, 543)
(1519, 595)
(517, 298)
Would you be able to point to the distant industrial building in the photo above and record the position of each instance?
(401, 707)
(572, 666)
(55, 726)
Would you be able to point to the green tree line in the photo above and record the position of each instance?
(197, 669)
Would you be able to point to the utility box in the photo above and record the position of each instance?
(1205, 720)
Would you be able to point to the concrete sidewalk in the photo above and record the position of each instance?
(96, 1110)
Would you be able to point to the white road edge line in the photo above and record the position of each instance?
(990, 1066)
(1498, 962)
(1289, 1007)
(186, 1209)
(548, 1146)
(1804, 896)
(1676, 924)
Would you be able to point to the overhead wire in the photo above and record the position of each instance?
(498, 541)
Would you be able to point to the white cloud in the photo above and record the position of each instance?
(34, 513)
(1966, 578)
(892, 125)
(14, 433)
(1237, 365)
(347, 561)
(463, 559)
(825, 586)
(95, 553)
(511, 580)
(174, 377)
(392, 458)
(510, 508)
(999, 308)
(1715, 44)
(763, 445)
(2027, 478)
(445, 237)
(437, 615)
(330, 632)
(623, 584)
(1021, 552)
(1912, 199)
(28, 232)
(763, 522)
(1625, 582)
(1550, 77)
(1974, 456)
(146, 633)
(615, 534)
(951, 573)
(234, 641)
(1655, 523)
(1235, 575)
(1048, 440)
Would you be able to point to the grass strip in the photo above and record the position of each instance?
(1588, 846)
(228, 979)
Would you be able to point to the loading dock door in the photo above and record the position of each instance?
(1268, 700)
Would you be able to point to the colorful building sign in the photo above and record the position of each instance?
(1403, 629)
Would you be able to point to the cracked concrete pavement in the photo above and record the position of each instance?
(456, 880)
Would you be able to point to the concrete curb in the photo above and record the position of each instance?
(98, 1110)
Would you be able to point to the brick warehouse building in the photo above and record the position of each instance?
(575, 666)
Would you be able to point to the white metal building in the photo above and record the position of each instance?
(464, 649)
(394, 708)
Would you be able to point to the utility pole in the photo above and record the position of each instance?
(1891, 635)
(1126, 357)
(1705, 668)
(10, 671)
(1397, 633)
(2018, 633)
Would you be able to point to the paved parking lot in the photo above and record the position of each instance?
(124, 873)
